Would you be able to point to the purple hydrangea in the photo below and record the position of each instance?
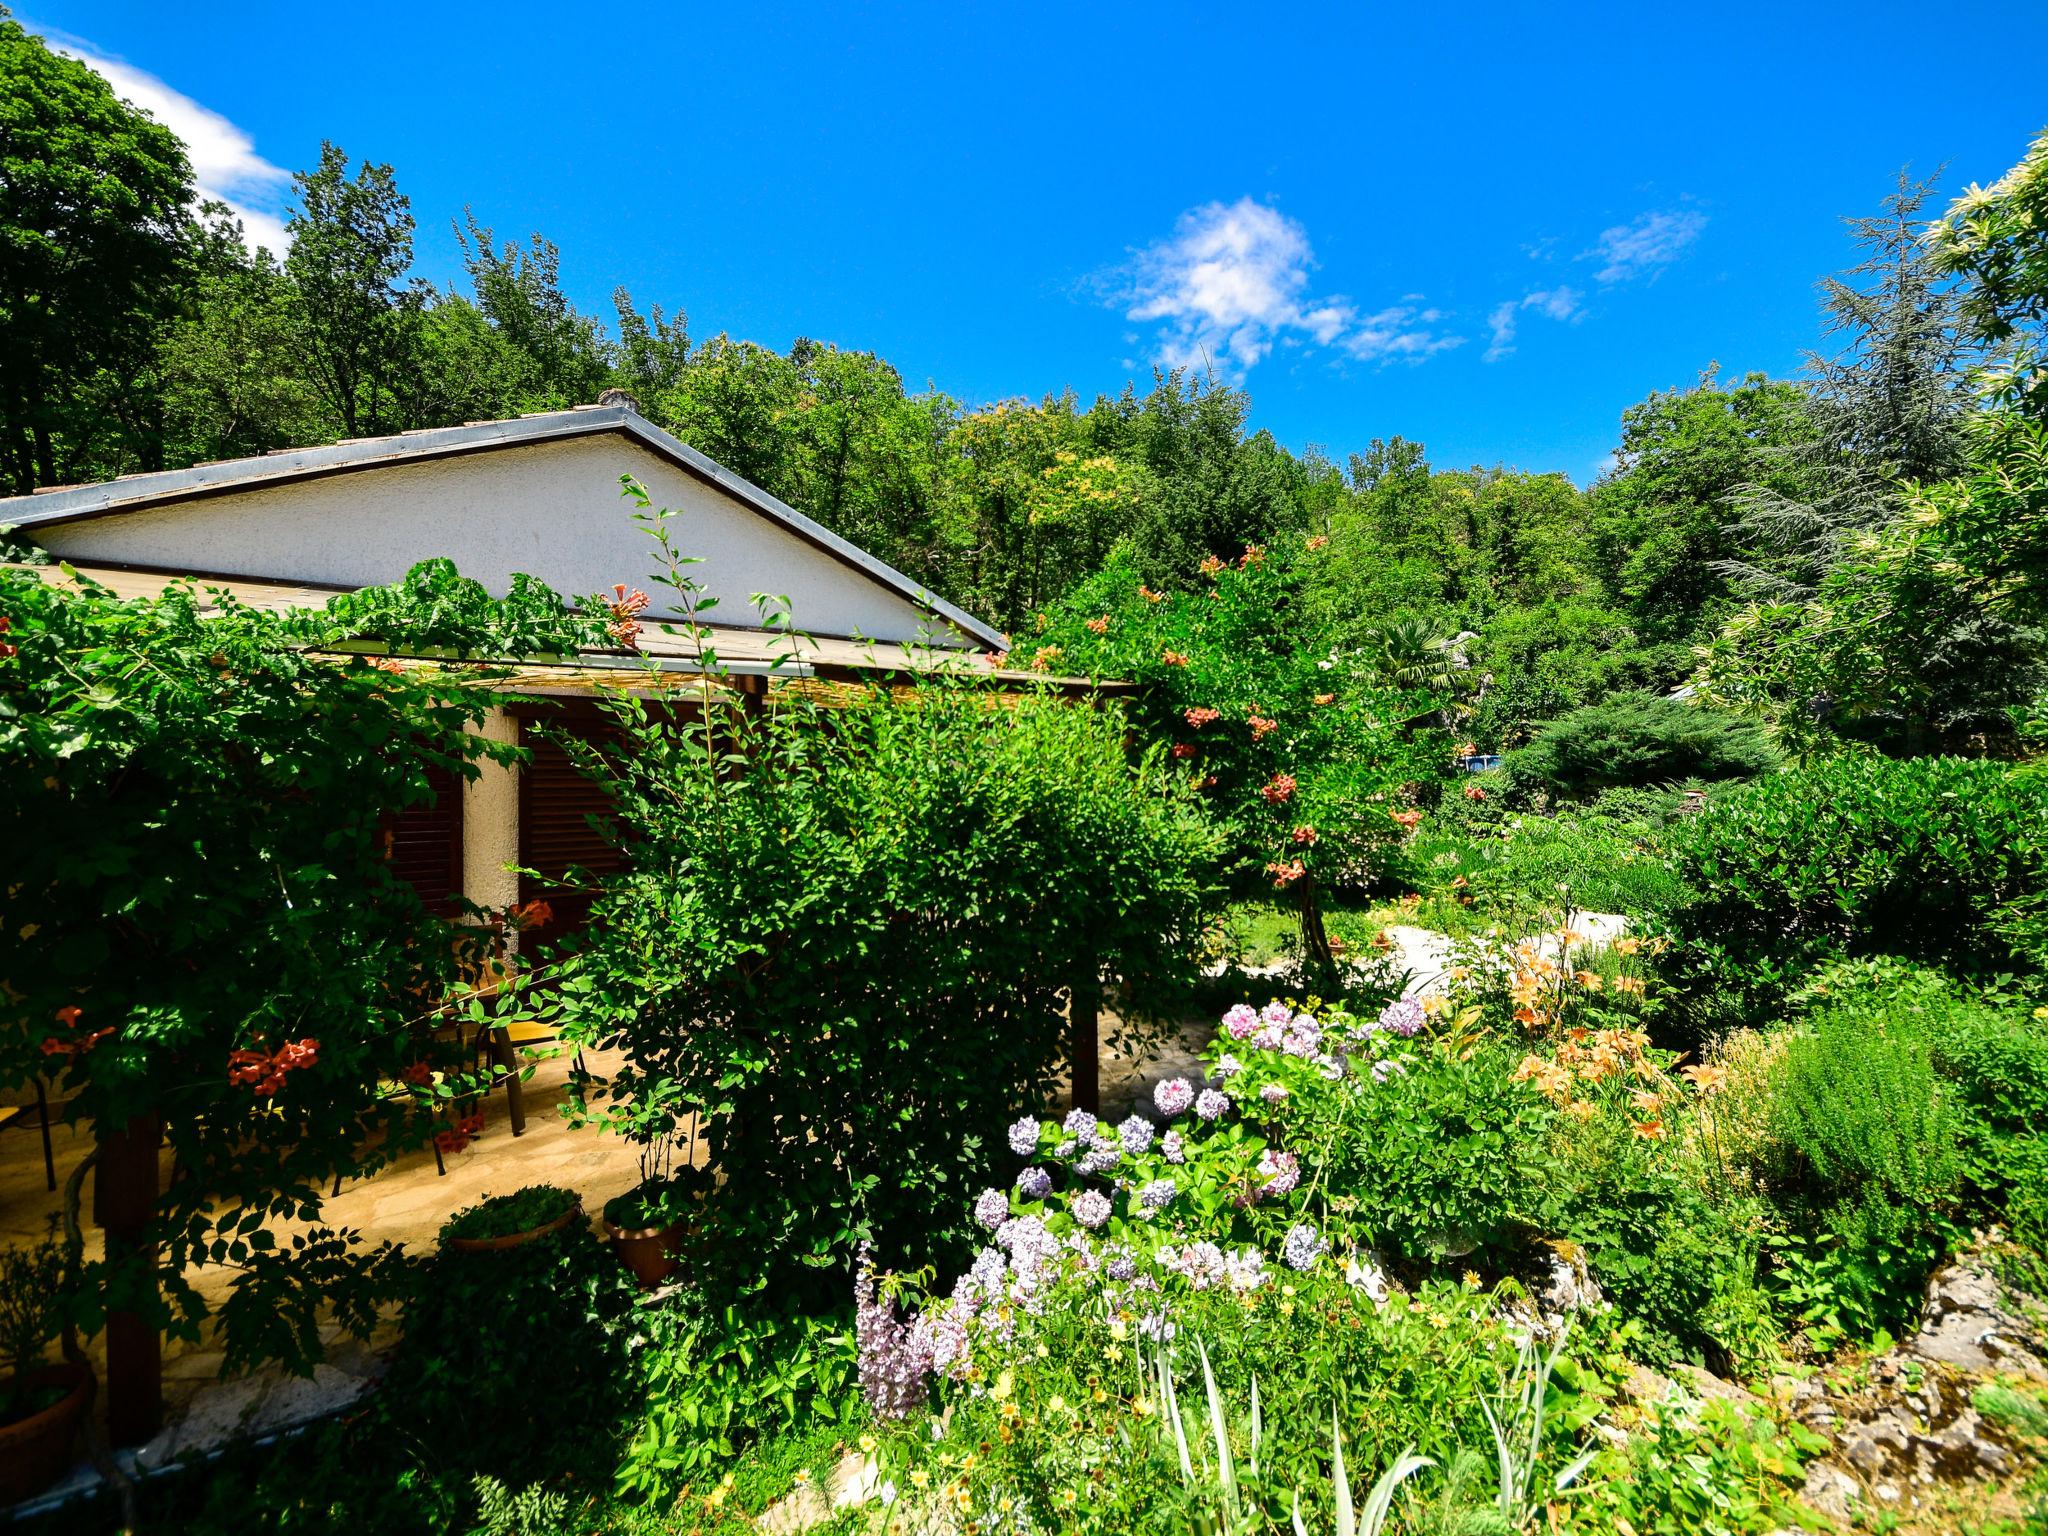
(1387, 1067)
(1304, 1037)
(1119, 1265)
(1404, 1016)
(1227, 1066)
(1273, 1093)
(1157, 1195)
(1173, 1096)
(1099, 1158)
(1203, 1264)
(992, 1208)
(1211, 1105)
(1024, 1137)
(1066, 1149)
(1136, 1134)
(1034, 1183)
(1277, 1012)
(1173, 1148)
(1280, 1170)
(1090, 1207)
(1240, 1021)
(1079, 1123)
(1302, 1246)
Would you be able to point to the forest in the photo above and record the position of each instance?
(1735, 510)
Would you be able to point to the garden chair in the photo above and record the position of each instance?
(10, 1113)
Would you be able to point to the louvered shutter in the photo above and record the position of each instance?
(423, 843)
(556, 803)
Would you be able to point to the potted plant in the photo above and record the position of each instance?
(649, 1222)
(40, 1403)
(498, 1222)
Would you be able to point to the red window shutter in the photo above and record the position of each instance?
(423, 843)
(556, 804)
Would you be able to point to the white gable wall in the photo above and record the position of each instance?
(551, 509)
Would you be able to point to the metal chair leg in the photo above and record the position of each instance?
(49, 1156)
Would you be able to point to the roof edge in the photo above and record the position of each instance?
(133, 493)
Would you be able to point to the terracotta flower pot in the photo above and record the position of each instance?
(516, 1239)
(36, 1451)
(652, 1254)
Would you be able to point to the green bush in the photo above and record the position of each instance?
(1445, 1160)
(848, 947)
(1865, 1156)
(1633, 740)
(1939, 860)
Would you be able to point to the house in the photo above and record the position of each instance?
(540, 495)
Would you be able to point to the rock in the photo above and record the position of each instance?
(1703, 1383)
(1877, 1444)
(1830, 1490)
(1967, 1323)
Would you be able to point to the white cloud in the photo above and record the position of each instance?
(1561, 303)
(1233, 281)
(1645, 244)
(225, 165)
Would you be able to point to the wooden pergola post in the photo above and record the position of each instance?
(124, 1200)
(1084, 1043)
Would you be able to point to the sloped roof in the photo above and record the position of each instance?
(56, 505)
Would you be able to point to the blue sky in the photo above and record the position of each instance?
(1489, 227)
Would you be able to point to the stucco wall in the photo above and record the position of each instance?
(490, 823)
(550, 509)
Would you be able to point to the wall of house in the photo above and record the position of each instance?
(552, 510)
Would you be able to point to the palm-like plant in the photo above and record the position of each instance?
(1409, 654)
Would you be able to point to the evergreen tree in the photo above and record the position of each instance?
(1888, 408)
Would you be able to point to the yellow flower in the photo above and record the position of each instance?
(1005, 1385)
(1056, 1404)
(1590, 980)
(1142, 1407)
(867, 1445)
(1041, 1351)
(1627, 946)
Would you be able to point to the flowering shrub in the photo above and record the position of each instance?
(253, 989)
(1302, 754)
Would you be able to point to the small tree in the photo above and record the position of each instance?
(844, 940)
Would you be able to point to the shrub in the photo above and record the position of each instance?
(1866, 1152)
(1939, 860)
(1445, 1159)
(487, 1336)
(1633, 740)
(848, 947)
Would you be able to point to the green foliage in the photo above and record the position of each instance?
(1446, 1160)
(507, 1215)
(1714, 1468)
(1996, 239)
(1866, 1155)
(548, 1322)
(1940, 859)
(90, 211)
(851, 955)
(1637, 740)
(31, 1294)
(254, 986)
(717, 1377)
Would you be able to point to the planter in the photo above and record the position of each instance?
(516, 1239)
(652, 1254)
(36, 1451)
